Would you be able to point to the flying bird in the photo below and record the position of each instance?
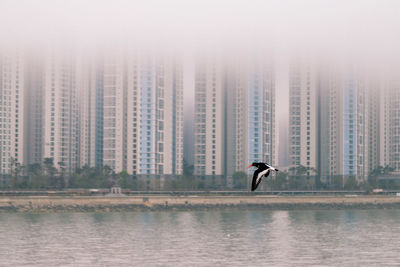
(263, 169)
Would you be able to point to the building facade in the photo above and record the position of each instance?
(90, 77)
(60, 111)
(209, 119)
(390, 124)
(234, 116)
(303, 117)
(334, 121)
(13, 111)
(114, 112)
(154, 116)
(143, 114)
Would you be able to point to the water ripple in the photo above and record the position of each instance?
(202, 238)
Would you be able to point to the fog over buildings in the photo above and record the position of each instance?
(141, 86)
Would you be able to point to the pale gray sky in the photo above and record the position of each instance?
(348, 28)
(367, 30)
(287, 24)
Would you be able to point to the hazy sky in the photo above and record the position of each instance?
(362, 30)
(343, 28)
(285, 24)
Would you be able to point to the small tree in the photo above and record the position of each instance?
(375, 173)
(187, 168)
(13, 176)
(301, 174)
(50, 171)
(62, 177)
(280, 181)
(351, 183)
(337, 182)
(109, 176)
(36, 178)
(239, 180)
(299, 170)
(122, 179)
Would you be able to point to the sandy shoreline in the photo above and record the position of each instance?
(157, 202)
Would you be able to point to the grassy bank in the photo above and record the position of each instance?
(157, 202)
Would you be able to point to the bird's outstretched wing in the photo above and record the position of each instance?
(257, 176)
(254, 181)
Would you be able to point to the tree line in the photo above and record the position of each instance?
(46, 176)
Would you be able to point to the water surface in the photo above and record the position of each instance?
(202, 238)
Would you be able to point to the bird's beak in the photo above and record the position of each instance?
(250, 166)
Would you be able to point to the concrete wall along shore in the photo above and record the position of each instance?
(152, 202)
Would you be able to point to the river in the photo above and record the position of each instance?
(202, 238)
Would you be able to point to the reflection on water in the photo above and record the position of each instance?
(202, 238)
